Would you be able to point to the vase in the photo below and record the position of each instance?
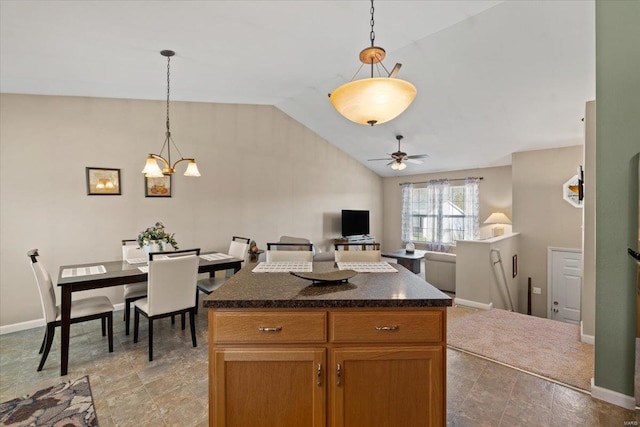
(152, 247)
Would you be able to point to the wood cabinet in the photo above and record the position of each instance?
(338, 367)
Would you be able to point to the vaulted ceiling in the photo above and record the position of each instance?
(493, 77)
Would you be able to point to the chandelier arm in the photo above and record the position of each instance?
(182, 160)
(357, 71)
(176, 147)
(162, 159)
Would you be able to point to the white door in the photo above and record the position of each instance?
(564, 284)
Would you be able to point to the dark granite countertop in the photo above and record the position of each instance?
(283, 290)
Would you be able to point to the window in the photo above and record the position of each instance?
(440, 214)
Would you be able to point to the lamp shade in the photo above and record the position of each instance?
(192, 169)
(373, 100)
(151, 168)
(497, 218)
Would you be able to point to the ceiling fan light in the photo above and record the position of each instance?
(151, 168)
(373, 100)
(192, 169)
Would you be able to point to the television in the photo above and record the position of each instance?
(355, 223)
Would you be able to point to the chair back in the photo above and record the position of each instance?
(357, 246)
(172, 280)
(131, 250)
(239, 248)
(45, 287)
(292, 256)
(358, 256)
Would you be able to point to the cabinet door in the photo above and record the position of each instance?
(267, 387)
(401, 386)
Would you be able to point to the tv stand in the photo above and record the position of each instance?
(363, 238)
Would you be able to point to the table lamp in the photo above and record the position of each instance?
(499, 219)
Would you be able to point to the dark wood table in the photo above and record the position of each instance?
(118, 273)
(411, 261)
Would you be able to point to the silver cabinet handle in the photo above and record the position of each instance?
(266, 329)
(338, 374)
(387, 328)
(319, 382)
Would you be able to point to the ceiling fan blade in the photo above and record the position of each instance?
(373, 160)
(417, 156)
(390, 163)
(414, 161)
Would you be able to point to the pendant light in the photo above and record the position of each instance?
(151, 168)
(373, 100)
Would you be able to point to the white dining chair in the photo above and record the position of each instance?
(291, 252)
(171, 290)
(82, 310)
(133, 291)
(358, 252)
(238, 248)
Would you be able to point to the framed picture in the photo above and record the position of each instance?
(157, 187)
(103, 182)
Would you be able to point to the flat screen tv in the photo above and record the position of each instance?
(355, 223)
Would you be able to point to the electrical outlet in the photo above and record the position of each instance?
(537, 291)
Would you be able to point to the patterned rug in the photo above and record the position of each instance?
(544, 347)
(69, 404)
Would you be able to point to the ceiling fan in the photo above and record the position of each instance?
(399, 158)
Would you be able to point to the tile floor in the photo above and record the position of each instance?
(172, 390)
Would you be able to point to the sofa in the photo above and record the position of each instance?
(440, 270)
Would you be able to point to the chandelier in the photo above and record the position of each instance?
(373, 100)
(151, 168)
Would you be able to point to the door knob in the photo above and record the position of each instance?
(555, 303)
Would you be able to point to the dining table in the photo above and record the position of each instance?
(104, 274)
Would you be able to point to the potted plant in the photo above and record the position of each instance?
(156, 239)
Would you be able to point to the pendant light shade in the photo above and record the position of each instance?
(151, 167)
(374, 100)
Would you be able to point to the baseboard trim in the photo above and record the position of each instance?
(473, 304)
(30, 324)
(587, 339)
(614, 397)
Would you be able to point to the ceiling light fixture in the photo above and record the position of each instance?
(373, 100)
(398, 165)
(151, 168)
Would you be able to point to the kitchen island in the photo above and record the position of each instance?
(286, 352)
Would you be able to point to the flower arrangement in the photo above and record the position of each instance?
(156, 235)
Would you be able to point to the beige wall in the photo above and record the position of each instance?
(263, 175)
(541, 215)
(495, 195)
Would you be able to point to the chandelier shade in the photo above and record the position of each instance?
(373, 100)
(151, 167)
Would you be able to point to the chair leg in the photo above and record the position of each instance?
(192, 319)
(173, 320)
(104, 326)
(150, 339)
(182, 316)
(51, 330)
(136, 320)
(197, 298)
(110, 328)
(127, 316)
(44, 340)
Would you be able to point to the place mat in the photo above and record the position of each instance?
(141, 260)
(215, 257)
(284, 267)
(144, 268)
(83, 271)
(367, 267)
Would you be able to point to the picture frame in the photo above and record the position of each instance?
(103, 181)
(157, 187)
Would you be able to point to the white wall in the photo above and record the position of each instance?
(542, 216)
(263, 175)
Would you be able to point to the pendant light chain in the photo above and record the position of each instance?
(168, 87)
(372, 34)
